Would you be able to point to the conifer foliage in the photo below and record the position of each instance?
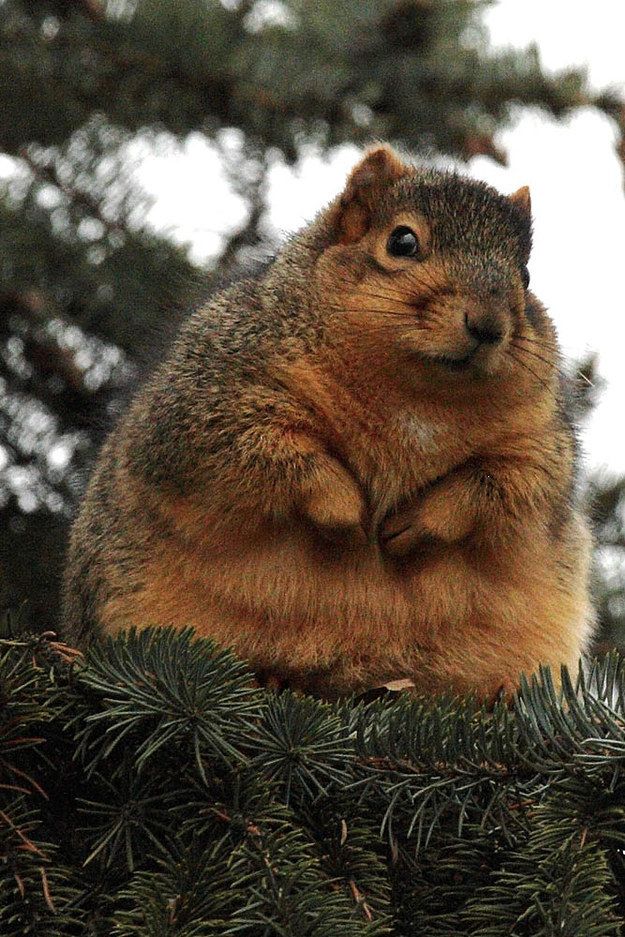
(152, 789)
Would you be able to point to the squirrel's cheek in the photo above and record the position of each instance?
(340, 270)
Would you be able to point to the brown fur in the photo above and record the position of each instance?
(318, 478)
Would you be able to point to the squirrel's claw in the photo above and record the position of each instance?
(403, 532)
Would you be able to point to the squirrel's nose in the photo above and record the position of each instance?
(484, 328)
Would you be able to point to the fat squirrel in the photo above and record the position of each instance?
(358, 465)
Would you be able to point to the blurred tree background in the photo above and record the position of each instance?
(88, 291)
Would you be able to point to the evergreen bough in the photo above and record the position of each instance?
(152, 789)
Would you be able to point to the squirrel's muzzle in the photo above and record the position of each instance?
(485, 326)
(481, 327)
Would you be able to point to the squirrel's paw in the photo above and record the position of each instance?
(336, 508)
(439, 515)
(403, 532)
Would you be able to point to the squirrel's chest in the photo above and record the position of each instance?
(392, 441)
(400, 453)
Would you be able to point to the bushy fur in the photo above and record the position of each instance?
(327, 473)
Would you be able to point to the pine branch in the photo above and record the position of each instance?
(47, 172)
(293, 817)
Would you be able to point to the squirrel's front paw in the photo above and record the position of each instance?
(443, 514)
(403, 532)
(336, 507)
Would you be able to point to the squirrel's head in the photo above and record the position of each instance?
(433, 266)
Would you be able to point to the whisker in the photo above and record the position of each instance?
(390, 299)
(535, 342)
(424, 283)
(532, 354)
(381, 312)
(525, 365)
(396, 297)
(389, 321)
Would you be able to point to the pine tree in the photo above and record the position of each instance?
(153, 790)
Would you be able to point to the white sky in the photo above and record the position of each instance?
(577, 196)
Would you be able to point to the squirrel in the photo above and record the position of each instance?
(358, 465)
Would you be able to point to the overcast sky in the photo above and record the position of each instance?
(571, 168)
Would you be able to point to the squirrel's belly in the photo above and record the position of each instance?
(287, 608)
(280, 589)
(282, 602)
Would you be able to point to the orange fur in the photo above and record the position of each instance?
(376, 512)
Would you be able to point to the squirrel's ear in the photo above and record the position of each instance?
(522, 200)
(378, 169)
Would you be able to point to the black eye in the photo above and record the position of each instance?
(525, 277)
(402, 242)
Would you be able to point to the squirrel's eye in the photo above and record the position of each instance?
(525, 277)
(402, 242)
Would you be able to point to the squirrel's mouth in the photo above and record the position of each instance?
(455, 363)
(481, 360)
